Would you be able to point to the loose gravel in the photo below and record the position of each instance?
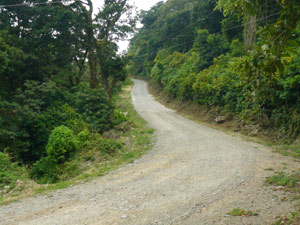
(194, 175)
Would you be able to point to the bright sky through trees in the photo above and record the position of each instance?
(140, 4)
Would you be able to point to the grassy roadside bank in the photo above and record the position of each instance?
(100, 155)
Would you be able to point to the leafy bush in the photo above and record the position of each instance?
(61, 146)
(46, 170)
(62, 143)
(83, 136)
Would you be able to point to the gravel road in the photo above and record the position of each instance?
(193, 175)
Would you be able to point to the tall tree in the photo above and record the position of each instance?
(86, 9)
(113, 23)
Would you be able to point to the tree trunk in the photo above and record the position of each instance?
(91, 44)
(250, 33)
(94, 82)
(105, 82)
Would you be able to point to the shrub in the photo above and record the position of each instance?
(119, 117)
(59, 114)
(46, 170)
(9, 172)
(109, 146)
(94, 106)
(83, 136)
(61, 145)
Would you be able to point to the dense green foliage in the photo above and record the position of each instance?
(244, 62)
(174, 26)
(9, 172)
(54, 94)
(27, 122)
(61, 145)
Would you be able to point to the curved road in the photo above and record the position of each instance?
(193, 175)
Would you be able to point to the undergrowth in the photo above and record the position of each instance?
(97, 154)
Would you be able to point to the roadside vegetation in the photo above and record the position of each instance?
(232, 63)
(64, 116)
(237, 59)
(81, 157)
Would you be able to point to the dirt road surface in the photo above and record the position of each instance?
(193, 175)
